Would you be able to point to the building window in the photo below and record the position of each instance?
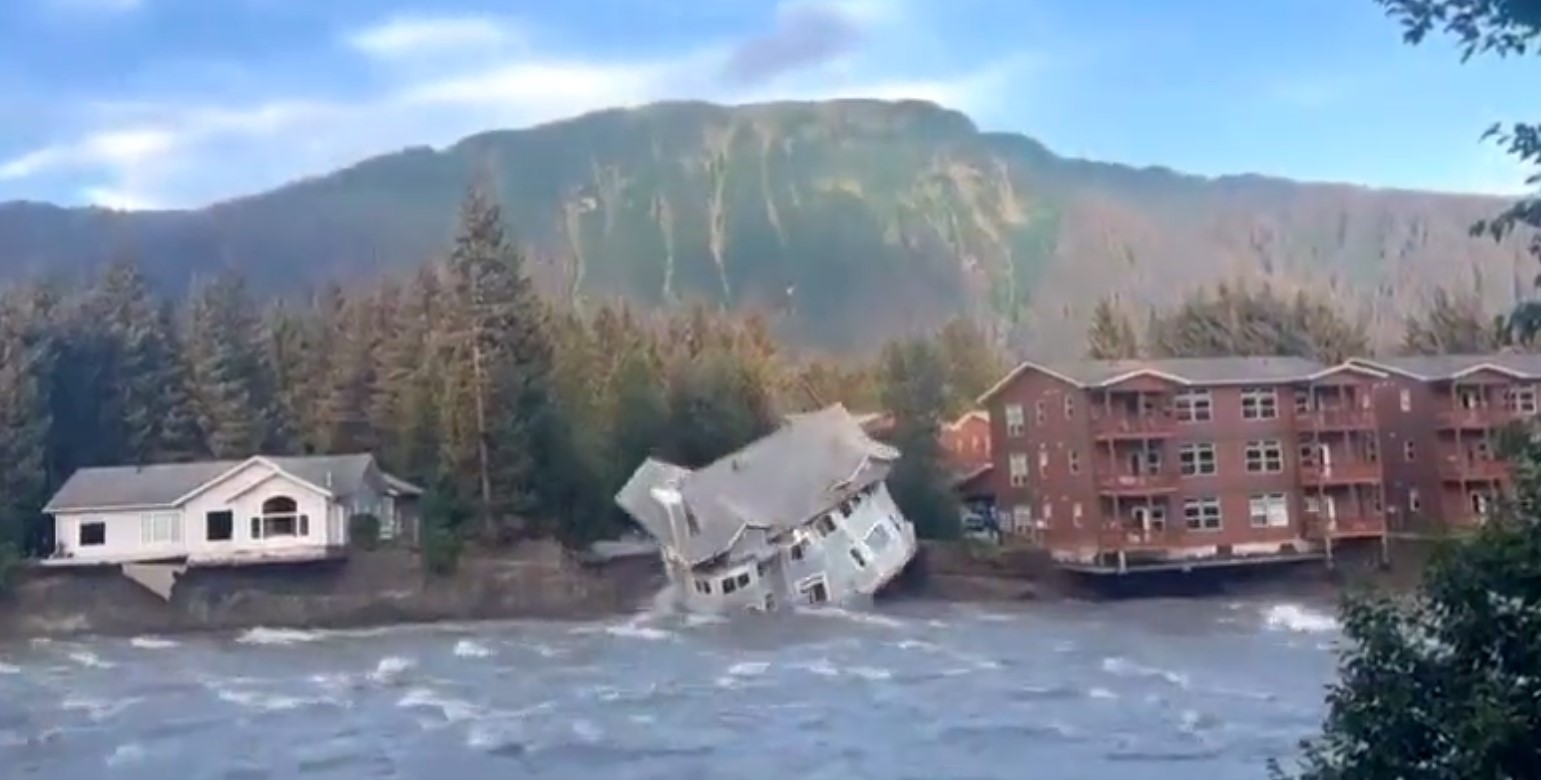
(1038, 413)
(1481, 503)
(1043, 460)
(1075, 512)
(1197, 460)
(1308, 455)
(1069, 407)
(1018, 464)
(1409, 452)
(1264, 457)
(799, 550)
(1015, 423)
(160, 528)
(814, 590)
(1470, 398)
(1021, 518)
(703, 585)
(280, 517)
(1269, 510)
(1202, 514)
(1048, 511)
(1302, 401)
(1405, 400)
(1193, 406)
(1522, 399)
(1414, 501)
(93, 534)
(1259, 404)
(1073, 461)
(861, 560)
(878, 538)
(219, 526)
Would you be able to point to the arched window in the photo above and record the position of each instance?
(280, 517)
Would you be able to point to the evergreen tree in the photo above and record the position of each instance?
(915, 392)
(25, 426)
(227, 368)
(497, 392)
(343, 411)
(406, 398)
(139, 368)
(716, 405)
(1111, 335)
(1452, 324)
(973, 363)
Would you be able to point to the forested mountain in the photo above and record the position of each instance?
(845, 222)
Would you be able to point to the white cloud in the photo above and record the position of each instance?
(178, 155)
(414, 35)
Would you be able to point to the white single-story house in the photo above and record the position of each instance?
(224, 512)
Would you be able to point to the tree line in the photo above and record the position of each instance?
(1242, 319)
(521, 416)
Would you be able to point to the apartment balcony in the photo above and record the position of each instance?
(1132, 426)
(1137, 484)
(1457, 468)
(1346, 419)
(1361, 525)
(1474, 419)
(1345, 472)
(1145, 540)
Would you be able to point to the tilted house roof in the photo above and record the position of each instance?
(167, 484)
(1235, 370)
(1435, 368)
(775, 483)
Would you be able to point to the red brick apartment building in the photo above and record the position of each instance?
(967, 441)
(1115, 465)
(1440, 417)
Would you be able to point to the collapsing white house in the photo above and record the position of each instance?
(800, 516)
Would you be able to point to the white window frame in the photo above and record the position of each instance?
(1202, 510)
(1414, 500)
(1269, 456)
(1268, 510)
(1523, 400)
(157, 528)
(1017, 465)
(1259, 403)
(1016, 421)
(1197, 452)
(1192, 406)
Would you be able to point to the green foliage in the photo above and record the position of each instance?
(1111, 334)
(915, 391)
(10, 564)
(1445, 684)
(364, 531)
(1238, 320)
(972, 364)
(444, 525)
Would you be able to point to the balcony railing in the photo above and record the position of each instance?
(1350, 526)
(1132, 426)
(1137, 484)
(1341, 472)
(1459, 467)
(1481, 417)
(1335, 419)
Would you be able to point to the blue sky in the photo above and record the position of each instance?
(173, 103)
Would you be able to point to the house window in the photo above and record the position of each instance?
(1038, 413)
(692, 525)
(878, 538)
(1021, 518)
(729, 585)
(1414, 501)
(1018, 463)
(1264, 457)
(861, 560)
(93, 534)
(1048, 511)
(1197, 460)
(1075, 512)
(1259, 404)
(1307, 455)
(1302, 401)
(703, 585)
(1069, 407)
(1269, 510)
(1202, 514)
(825, 525)
(1470, 398)
(799, 550)
(1193, 406)
(219, 526)
(814, 590)
(1409, 452)
(280, 517)
(1043, 460)
(1523, 399)
(1481, 503)
(1073, 460)
(1405, 400)
(1014, 420)
(160, 528)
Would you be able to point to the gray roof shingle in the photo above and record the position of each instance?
(160, 485)
(1443, 367)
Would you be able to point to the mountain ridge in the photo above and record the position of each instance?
(850, 220)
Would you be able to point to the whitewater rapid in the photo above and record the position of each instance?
(1137, 690)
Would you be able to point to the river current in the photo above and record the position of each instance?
(1144, 690)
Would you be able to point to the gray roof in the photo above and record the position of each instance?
(782, 480)
(1444, 367)
(162, 484)
(637, 499)
(1232, 370)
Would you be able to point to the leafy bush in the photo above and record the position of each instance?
(364, 531)
(10, 564)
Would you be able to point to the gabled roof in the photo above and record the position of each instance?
(972, 414)
(778, 482)
(170, 484)
(1236, 370)
(1436, 368)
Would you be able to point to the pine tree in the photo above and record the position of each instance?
(498, 389)
(973, 364)
(140, 371)
(1111, 335)
(343, 417)
(915, 392)
(228, 386)
(406, 398)
(25, 426)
